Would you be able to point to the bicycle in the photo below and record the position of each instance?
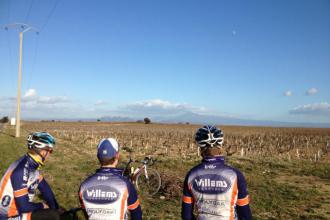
(146, 180)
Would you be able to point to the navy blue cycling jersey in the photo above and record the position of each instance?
(216, 190)
(108, 195)
(18, 187)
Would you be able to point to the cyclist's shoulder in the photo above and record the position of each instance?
(237, 171)
(195, 169)
(88, 179)
(19, 165)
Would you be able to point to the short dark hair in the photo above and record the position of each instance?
(211, 151)
(107, 161)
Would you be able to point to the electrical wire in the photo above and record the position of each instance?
(50, 15)
(8, 12)
(11, 72)
(33, 69)
(29, 11)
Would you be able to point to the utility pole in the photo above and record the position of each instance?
(23, 28)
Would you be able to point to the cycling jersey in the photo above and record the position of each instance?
(216, 190)
(108, 195)
(18, 187)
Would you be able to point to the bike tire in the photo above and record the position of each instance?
(148, 186)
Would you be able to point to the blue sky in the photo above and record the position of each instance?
(264, 60)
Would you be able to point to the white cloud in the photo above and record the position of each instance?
(30, 94)
(158, 107)
(311, 91)
(100, 102)
(320, 109)
(288, 93)
(33, 105)
(52, 100)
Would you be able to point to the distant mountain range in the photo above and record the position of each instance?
(194, 118)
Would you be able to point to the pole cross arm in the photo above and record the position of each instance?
(23, 26)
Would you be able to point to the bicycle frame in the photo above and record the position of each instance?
(141, 177)
(137, 171)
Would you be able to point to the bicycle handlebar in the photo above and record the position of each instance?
(147, 160)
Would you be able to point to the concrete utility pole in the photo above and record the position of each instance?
(23, 28)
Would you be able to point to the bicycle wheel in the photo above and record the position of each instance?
(149, 186)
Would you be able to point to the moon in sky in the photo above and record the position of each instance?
(234, 32)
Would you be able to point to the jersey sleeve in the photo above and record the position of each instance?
(187, 201)
(19, 180)
(133, 203)
(82, 204)
(243, 199)
(47, 193)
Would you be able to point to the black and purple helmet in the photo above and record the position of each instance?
(209, 136)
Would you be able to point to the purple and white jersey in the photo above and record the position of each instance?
(108, 195)
(18, 187)
(215, 190)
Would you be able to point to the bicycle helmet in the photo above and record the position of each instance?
(209, 136)
(40, 140)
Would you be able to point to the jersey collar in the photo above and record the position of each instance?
(33, 162)
(109, 170)
(215, 159)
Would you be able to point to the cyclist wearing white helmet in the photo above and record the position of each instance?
(21, 180)
(216, 190)
(107, 194)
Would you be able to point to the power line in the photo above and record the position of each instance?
(50, 15)
(10, 52)
(8, 12)
(28, 13)
(34, 58)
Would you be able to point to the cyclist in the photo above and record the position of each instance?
(107, 194)
(20, 182)
(217, 190)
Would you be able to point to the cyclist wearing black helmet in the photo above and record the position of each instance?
(21, 180)
(217, 190)
(107, 194)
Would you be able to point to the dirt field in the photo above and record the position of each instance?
(287, 169)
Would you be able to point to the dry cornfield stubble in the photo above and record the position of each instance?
(287, 169)
(177, 140)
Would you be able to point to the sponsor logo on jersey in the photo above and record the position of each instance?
(211, 166)
(102, 178)
(215, 203)
(101, 194)
(25, 174)
(5, 201)
(100, 211)
(211, 184)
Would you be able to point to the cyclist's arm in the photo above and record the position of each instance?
(133, 203)
(187, 202)
(47, 193)
(243, 208)
(19, 184)
(82, 203)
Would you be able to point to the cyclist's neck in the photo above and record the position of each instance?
(109, 166)
(37, 159)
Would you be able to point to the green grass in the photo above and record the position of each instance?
(279, 189)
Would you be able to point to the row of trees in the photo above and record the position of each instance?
(4, 119)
